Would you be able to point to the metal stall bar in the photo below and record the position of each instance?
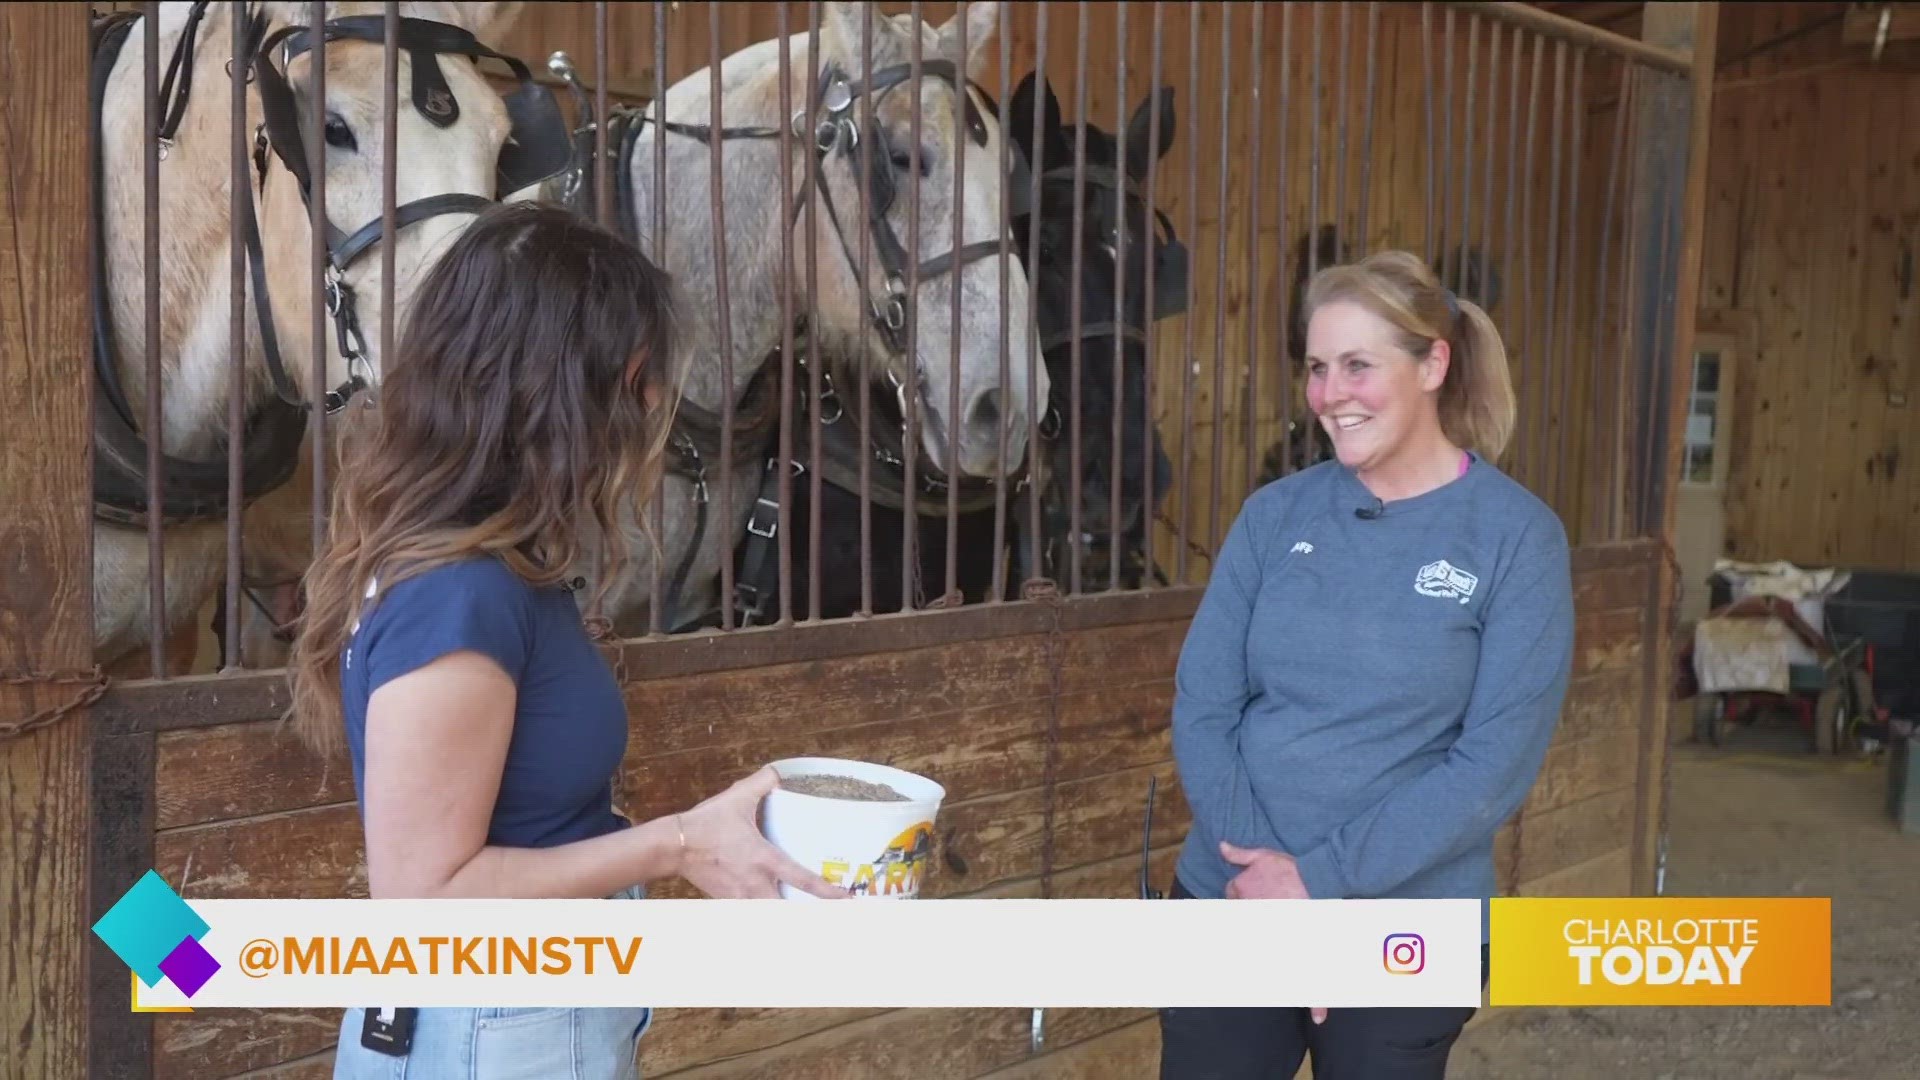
(1366, 125)
(156, 431)
(1426, 74)
(1214, 534)
(1283, 266)
(1611, 448)
(1249, 414)
(1340, 126)
(783, 520)
(655, 615)
(1466, 160)
(1187, 361)
(1037, 168)
(602, 191)
(715, 182)
(952, 593)
(1522, 461)
(1147, 502)
(861, 393)
(1445, 162)
(1569, 355)
(998, 590)
(317, 224)
(1560, 28)
(1543, 446)
(1076, 316)
(238, 189)
(1119, 314)
(1484, 295)
(910, 439)
(1318, 113)
(814, 371)
(1507, 245)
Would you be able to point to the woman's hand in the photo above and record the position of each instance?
(1269, 875)
(726, 857)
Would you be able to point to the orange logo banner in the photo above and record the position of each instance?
(1661, 951)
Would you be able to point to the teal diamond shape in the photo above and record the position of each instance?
(147, 924)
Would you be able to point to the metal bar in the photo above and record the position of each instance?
(1214, 533)
(1560, 28)
(1432, 162)
(156, 432)
(814, 372)
(1037, 168)
(1076, 469)
(1512, 199)
(1494, 35)
(1255, 122)
(1340, 124)
(1314, 219)
(655, 616)
(998, 590)
(1282, 265)
(317, 224)
(1550, 423)
(1446, 135)
(239, 196)
(910, 441)
(1615, 408)
(717, 202)
(954, 419)
(1366, 152)
(602, 193)
(1120, 315)
(1466, 159)
(783, 525)
(860, 392)
(1147, 440)
(1192, 196)
(1526, 356)
(1568, 356)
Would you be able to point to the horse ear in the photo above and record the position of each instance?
(490, 22)
(842, 29)
(1140, 128)
(983, 18)
(1016, 118)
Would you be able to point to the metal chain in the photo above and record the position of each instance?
(92, 680)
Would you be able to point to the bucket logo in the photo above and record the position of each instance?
(156, 934)
(896, 871)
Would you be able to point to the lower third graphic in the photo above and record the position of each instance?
(156, 934)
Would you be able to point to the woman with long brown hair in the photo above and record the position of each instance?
(442, 639)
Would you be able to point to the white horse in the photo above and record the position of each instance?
(444, 158)
(827, 151)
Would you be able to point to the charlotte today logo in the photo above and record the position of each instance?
(1654, 952)
(156, 934)
(1404, 954)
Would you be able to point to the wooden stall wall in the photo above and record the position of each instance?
(244, 811)
(1812, 236)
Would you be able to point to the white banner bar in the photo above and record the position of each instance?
(864, 954)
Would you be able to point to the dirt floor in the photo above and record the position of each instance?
(1760, 817)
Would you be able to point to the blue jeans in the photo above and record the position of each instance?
(505, 1043)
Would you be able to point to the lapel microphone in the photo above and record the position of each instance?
(1368, 513)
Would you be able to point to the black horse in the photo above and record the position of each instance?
(1109, 337)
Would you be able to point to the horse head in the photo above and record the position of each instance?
(1112, 334)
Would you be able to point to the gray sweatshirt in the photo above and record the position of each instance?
(1370, 687)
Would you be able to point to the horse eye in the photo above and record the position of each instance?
(339, 134)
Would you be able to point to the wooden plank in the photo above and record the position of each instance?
(1549, 841)
(1580, 770)
(1609, 875)
(1602, 705)
(226, 1042)
(1132, 1050)
(1606, 640)
(305, 854)
(45, 551)
(240, 770)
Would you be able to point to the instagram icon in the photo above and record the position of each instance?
(1404, 954)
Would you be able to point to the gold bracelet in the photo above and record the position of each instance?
(681, 829)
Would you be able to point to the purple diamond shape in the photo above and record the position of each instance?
(189, 965)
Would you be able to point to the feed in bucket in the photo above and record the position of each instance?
(867, 828)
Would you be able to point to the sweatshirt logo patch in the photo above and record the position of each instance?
(1446, 581)
(1303, 548)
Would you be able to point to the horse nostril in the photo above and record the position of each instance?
(986, 411)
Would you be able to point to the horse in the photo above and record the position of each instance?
(1050, 270)
(732, 357)
(465, 145)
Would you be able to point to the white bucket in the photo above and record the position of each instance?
(875, 849)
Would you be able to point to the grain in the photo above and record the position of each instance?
(829, 786)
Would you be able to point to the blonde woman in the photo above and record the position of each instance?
(442, 640)
(1373, 676)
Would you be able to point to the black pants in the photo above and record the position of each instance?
(1269, 1044)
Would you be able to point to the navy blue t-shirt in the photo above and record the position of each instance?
(569, 722)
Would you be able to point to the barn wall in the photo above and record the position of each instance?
(1551, 200)
(243, 810)
(1811, 236)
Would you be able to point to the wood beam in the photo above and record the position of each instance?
(46, 619)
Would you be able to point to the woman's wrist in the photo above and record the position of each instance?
(660, 847)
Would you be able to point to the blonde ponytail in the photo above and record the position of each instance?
(1477, 404)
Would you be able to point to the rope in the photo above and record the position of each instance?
(93, 683)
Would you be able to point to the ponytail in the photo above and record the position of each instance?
(1477, 404)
